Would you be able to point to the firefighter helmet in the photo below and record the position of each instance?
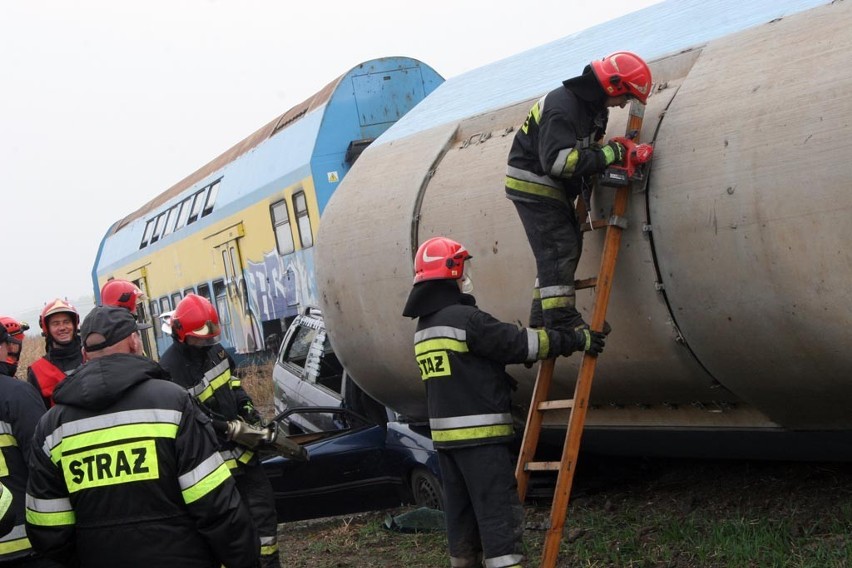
(195, 316)
(57, 306)
(440, 258)
(122, 294)
(623, 73)
(15, 328)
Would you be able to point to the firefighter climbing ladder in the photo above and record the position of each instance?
(579, 404)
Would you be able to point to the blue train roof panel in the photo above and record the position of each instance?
(652, 32)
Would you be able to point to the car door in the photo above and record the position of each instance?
(347, 471)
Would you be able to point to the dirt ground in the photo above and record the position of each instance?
(809, 498)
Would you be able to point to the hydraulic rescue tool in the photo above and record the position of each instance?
(632, 170)
(269, 439)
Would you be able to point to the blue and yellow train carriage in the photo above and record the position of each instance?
(240, 230)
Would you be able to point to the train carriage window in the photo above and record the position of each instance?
(211, 199)
(175, 299)
(189, 290)
(204, 291)
(169, 223)
(197, 203)
(158, 228)
(300, 205)
(165, 306)
(183, 213)
(281, 226)
(149, 228)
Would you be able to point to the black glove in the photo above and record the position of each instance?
(582, 340)
(614, 152)
(591, 341)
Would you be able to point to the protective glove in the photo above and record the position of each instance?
(590, 341)
(614, 152)
(582, 340)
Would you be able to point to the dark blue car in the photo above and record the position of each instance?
(357, 466)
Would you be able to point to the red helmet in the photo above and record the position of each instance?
(57, 306)
(122, 294)
(440, 258)
(195, 316)
(15, 328)
(623, 73)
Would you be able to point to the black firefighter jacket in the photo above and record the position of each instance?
(555, 148)
(462, 353)
(20, 409)
(207, 374)
(125, 472)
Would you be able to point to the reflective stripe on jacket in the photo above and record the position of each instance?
(126, 466)
(462, 352)
(554, 149)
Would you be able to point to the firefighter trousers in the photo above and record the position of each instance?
(256, 492)
(484, 515)
(556, 240)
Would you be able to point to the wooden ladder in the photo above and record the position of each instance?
(579, 404)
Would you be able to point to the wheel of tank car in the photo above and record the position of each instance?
(426, 490)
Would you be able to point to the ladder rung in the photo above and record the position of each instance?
(542, 466)
(556, 404)
(585, 283)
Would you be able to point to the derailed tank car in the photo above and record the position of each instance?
(731, 307)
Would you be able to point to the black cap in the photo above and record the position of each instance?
(112, 322)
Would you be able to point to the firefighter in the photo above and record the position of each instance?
(553, 159)
(59, 321)
(20, 409)
(122, 293)
(16, 331)
(197, 362)
(462, 353)
(125, 469)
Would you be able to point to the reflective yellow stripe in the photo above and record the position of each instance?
(558, 302)
(543, 343)
(268, 550)
(440, 344)
(111, 465)
(16, 545)
(206, 485)
(4, 469)
(475, 433)
(571, 161)
(7, 440)
(536, 189)
(235, 383)
(111, 435)
(5, 499)
(216, 383)
(232, 463)
(51, 519)
(246, 457)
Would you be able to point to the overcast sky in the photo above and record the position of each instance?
(105, 104)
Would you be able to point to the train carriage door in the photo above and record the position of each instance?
(230, 294)
(149, 342)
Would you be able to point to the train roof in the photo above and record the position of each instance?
(279, 123)
(653, 32)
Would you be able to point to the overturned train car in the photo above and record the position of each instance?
(732, 302)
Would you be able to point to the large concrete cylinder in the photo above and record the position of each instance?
(732, 301)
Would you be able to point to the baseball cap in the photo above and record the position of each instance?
(112, 322)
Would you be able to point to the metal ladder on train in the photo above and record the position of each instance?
(540, 404)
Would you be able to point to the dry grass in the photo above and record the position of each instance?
(32, 349)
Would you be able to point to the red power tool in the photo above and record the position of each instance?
(636, 155)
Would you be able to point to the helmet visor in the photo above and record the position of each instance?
(209, 329)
